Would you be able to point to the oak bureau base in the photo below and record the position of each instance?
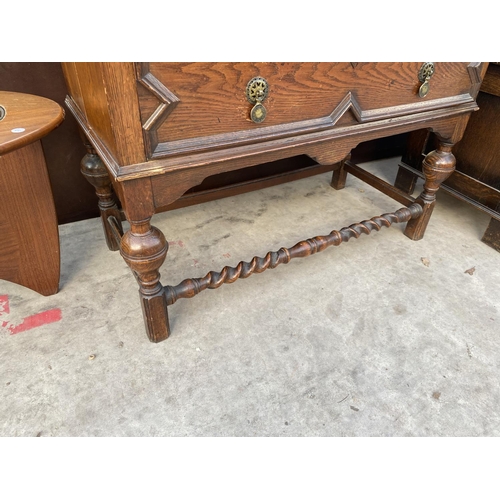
(155, 130)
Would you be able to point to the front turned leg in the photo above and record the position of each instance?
(437, 166)
(144, 248)
(94, 170)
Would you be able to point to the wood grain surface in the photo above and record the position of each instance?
(29, 254)
(31, 117)
(213, 95)
(195, 124)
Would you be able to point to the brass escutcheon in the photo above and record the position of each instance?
(258, 113)
(256, 92)
(424, 75)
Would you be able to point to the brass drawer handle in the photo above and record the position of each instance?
(424, 75)
(256, 92)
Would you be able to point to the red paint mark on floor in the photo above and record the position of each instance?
(43, 318)
(178, 243)
(4, 304)
(39, 319)
(227, 255)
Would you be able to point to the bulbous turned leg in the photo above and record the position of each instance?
(437, 166)
(339, 176)
(95, 172)
(144, 249)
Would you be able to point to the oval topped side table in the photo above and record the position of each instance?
(29, 254)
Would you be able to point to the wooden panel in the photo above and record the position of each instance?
(478, 153)
(123, 104)
(473, 191)
(249, 179)
(90, 78)
(213, 102)
(274, 173)
(29, 254)
(73, 84)
(491, 82)
(106, 95)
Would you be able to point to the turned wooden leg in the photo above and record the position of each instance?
(96, 174)
(340, 174)
(144, 249)
(437, 166)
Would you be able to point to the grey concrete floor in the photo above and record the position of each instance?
(360, 340)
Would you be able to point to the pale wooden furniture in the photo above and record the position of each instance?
(155, 130)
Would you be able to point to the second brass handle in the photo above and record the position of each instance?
(424, 75)
(256, 91)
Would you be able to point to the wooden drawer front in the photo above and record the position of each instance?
(180, 103)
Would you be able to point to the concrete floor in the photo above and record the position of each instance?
(360, 340)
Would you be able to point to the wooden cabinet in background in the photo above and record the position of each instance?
(476, 179)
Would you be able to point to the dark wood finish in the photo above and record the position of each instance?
(144, 249)
(491, 81)
(438, 166)
(95, 172)
(492, 234)
(249, 179)
(210, 97)
(413, 155)
(29, 254)
(339, 177)
(191, 287)
(186, 122)
(281, 171)
(477, 176)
